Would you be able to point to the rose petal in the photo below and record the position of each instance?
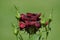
(27, 23)
(37, 24)
(21, 24)
(29, 14)
(32, 23)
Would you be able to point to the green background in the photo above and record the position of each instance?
(8, 12)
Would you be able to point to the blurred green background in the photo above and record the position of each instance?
(8, 12)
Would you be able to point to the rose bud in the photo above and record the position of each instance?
(37, 24)
(23, 16)
(22, 25)
(29, 14)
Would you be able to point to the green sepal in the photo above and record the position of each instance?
(15, 29)
(43, 19)
(17, 15)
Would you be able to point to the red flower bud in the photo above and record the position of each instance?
(23, 16)
(21, 25)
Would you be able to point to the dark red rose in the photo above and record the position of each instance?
(21, 25)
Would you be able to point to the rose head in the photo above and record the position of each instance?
(29, 19)
(31, 22)
(22, 25)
